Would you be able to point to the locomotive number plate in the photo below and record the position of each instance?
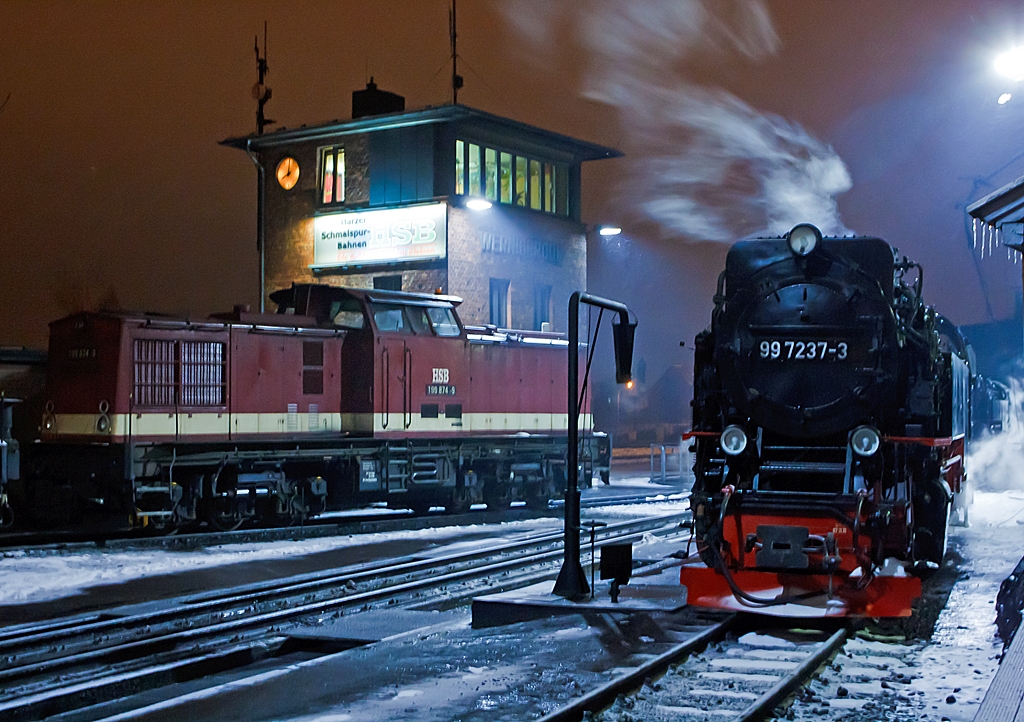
(786, 349)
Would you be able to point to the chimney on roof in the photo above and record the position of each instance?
(372, 101)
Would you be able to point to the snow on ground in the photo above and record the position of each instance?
(45, 575)
(35, 576)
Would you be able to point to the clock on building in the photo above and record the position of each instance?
(288, 173)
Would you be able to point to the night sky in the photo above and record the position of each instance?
(114, 191)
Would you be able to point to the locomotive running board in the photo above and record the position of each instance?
(882, 597)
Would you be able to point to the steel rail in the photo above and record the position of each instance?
(78, 693)
(314, 527)
(604, 695)
(771, 699)
(95, 623)
(163, 642)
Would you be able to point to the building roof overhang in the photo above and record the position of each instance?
(1006, 205)
(463, 114)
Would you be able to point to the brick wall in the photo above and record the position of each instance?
(289, 214)
(525, 247)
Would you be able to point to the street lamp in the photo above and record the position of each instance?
(1011, 63)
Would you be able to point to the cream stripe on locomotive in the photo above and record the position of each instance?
(149, 425)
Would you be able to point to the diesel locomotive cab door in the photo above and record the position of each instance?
(394, 377)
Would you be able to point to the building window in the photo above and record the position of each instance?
(520, 181)
(542, 308)
(460, 168)
(474, 169)
(491, 174)
(535, 185)
(510, 179)
(500, 303)
(562, 187)
(332, 180)
(388, 283)
(549, 188)
(506, 177)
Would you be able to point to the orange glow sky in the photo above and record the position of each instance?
(113, 187)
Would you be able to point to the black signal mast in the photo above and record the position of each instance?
(260, 92)
(456, 78)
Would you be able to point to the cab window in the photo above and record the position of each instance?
(390, 317)
(347, 313)
(442, 320)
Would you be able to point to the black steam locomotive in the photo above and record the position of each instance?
(829, 424)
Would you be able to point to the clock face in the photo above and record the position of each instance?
(288, 173)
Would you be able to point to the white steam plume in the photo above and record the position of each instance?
(703, 164)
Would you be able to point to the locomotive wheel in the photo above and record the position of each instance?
(225, 522)
(459, 502)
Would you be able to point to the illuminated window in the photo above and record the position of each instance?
(328, 178)
(520, 181)
(332, 182)
(491, 174)
(506, 177)
(562, 190)
(549, 188)
(535, 185)
(460, 167)
(474, 169)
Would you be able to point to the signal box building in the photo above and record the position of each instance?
(399, 200)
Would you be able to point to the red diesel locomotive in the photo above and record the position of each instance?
(343, 397)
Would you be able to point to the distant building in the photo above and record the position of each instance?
(385, 200)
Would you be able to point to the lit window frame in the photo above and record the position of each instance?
(545, 181)
(332, 171)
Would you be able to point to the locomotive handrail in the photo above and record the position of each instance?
(407, 387)
(924, 440)
(385, 358)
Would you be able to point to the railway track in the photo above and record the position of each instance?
(721, 673)
(68, 664)
(398, 520)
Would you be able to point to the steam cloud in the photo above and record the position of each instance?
(703, 164)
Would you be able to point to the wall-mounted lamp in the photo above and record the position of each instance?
(609, 230)
(478, 204)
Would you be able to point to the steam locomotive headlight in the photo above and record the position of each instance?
(733, 440)
(803, 239)
(865, 441)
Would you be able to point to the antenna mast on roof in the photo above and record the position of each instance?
(260, 92)
(456, 78)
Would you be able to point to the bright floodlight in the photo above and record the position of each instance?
(1011, 64)
(1004, 98)
(609, 230)
(478, 204)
